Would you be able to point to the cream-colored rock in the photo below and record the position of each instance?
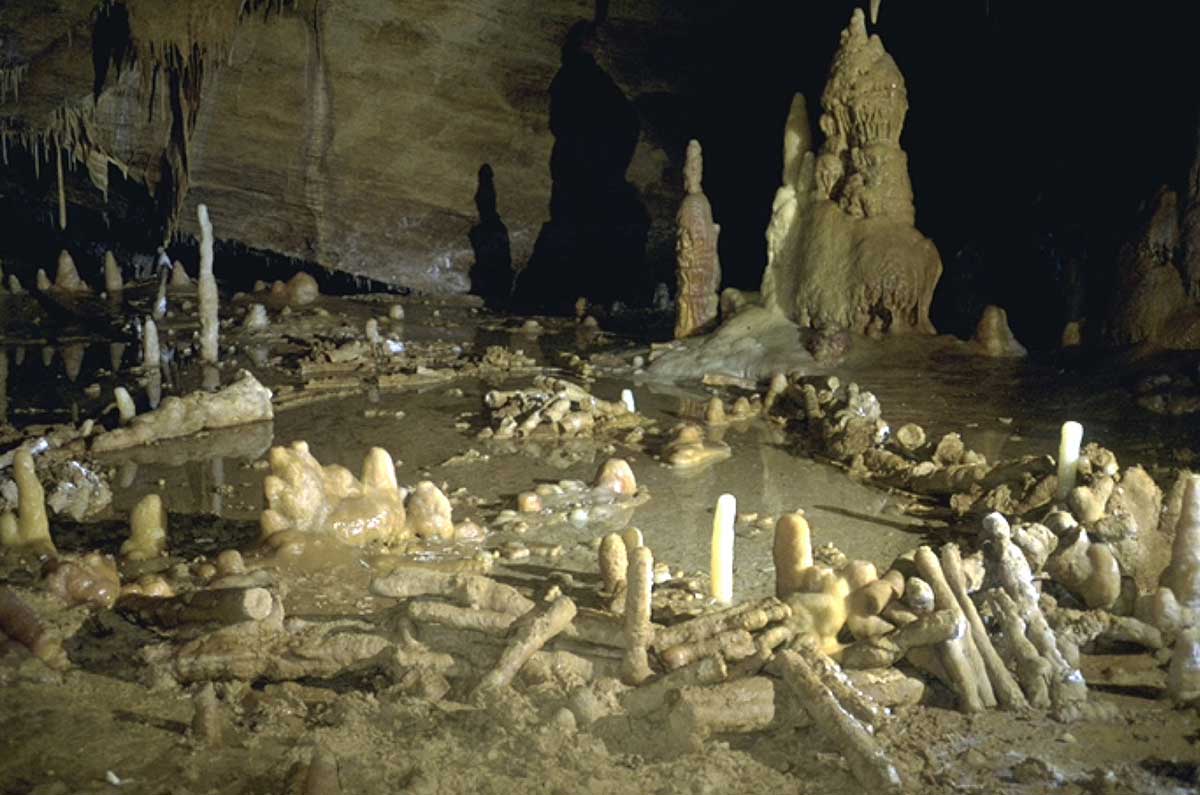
(210, 325)
(841, 248)
(616, 475)
(689, 448)
(721, 557)
(1089, 503)
(820, 606)
(300, 290)
(42, 281)
(151, 353)
(243, 401)
(1182, 575)
(32, 525)
(614, 562)
(66, 276)
(1183, 675)
(792, 552)
(1087, 569)
(306, 500)
(179, 277)
(429, 512)
(148, 530)
(89, 580)
(126, 409)
(994, 338)
(113, 283)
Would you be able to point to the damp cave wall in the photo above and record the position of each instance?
(351, 135)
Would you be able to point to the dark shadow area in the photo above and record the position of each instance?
(492, 273)
(594, 243)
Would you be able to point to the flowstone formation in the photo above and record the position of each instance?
(697, 266)
(842, 250)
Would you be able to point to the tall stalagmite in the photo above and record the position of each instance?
(208, 290)
(841, 246)
(697, 266)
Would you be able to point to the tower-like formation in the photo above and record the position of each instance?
(697, 266)
(842, 249)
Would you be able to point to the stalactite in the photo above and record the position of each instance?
(62, 193)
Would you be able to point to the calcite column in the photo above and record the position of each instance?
(697, 266)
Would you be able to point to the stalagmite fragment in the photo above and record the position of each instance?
(869, 765)
(533, 632)
(792, 552)
(206, 717)
(627, 400)
(643, 700)
(1087, 569)
(209, 325)
(929, 629)
(19, 622)
(113, 283)
(472, 590)
(733, 644)
(614, 562)
(243, 401)
(1008, 692)
(959, 656)
(743, 705)
(211, 606)
(256, 318)
(1068, 458)
(751, 617)
(632, 538)
(42, 281)
(151, 355)
(148, 526)
(88, 580)
(721, 568)
(321, 778)
(158, 310)
(639, 634)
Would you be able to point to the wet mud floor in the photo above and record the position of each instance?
(105, 726)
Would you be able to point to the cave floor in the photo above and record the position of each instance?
(107, 717)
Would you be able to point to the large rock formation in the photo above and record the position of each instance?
(841, 247)
(1150, 302)
(697, 264)
(348, 134)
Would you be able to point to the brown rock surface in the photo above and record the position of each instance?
(350, 135)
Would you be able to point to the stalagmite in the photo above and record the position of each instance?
(62, 193)
(256, 318)
(126, 409)
(321, 778)
(792, 552)
(209, 322)
(533, 633)
(721, 562)
(19, 622)
(868, 764)
(1183, 675)
(211, 606)
(635, 667)
(151, 356)
(113, 283)
(614, 562)
(179, 277)
(206, 717)
(42, 281)
(33, 527)
(148, 530)
(1182, 575)
(1068, 458)
(66, 275)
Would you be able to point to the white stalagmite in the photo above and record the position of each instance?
(126, 409)
(722, 549)
(1068, 457)
(627, 399)
(150, 351)
(208, 290)
(113, 283)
